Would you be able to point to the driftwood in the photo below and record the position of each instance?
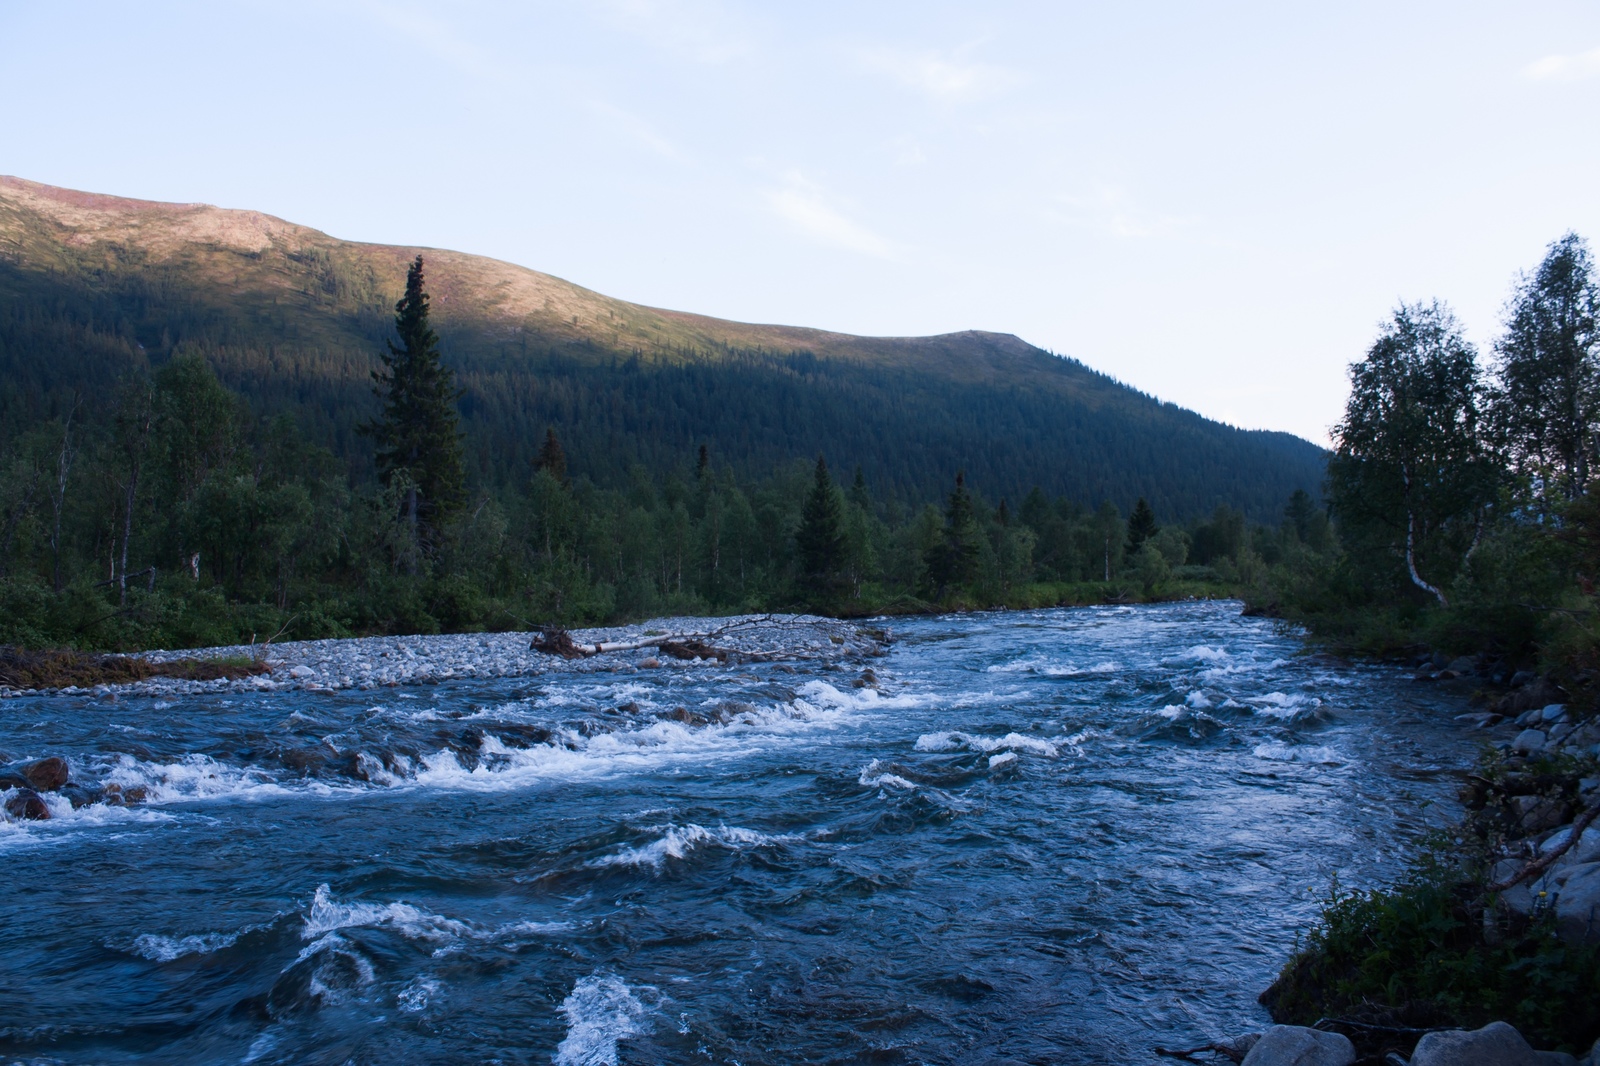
(1545, 861)
(555, 641)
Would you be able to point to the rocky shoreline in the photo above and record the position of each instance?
(374, 662)
(1529, 792)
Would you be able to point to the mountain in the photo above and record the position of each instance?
(92, 287)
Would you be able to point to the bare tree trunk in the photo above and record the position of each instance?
(1411, 562)
(1411, 542)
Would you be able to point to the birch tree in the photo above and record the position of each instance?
(1410, 468)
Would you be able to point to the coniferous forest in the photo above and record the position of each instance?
(233, 434)
(170, 513)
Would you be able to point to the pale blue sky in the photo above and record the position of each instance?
(1215, 203)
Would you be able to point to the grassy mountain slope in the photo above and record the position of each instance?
(93, 286)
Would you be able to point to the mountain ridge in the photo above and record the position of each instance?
(293, 318)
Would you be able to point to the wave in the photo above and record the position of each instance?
(677, 842)
(874, 776)
(1275, 751)
(600, 1010)
(957, 741)
(328, 914)
(166, 949)
(1045, 668)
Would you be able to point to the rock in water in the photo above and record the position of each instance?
(1296, 1045)
(1496, 1044)
(27, 804)
(46, 775)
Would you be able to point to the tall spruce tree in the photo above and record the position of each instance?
(954, 560)
(552, 457)
(418, 435)
(1141, 527)
(820, 537)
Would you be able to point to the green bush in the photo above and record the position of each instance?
(1421, 954)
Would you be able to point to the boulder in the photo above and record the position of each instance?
(1551, 711)
(1534, 814)
(1578, 905)
(1496, 1044)
(1587, 849)
(1237, 1047)
(1529, 740)
(46, 775)
(302, 672)
(27, 804)
(1554, 1058)
(1295, 1045)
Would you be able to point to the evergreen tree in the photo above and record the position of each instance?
(418, 435)
(858, 491)
(552, 458)
(1141, 527)
(820, 537)
(954, 560)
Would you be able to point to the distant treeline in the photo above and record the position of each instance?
(168, 513)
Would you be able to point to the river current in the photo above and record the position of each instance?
(1061, 836)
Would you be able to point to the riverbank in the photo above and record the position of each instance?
(1498, 920)
(373, 662)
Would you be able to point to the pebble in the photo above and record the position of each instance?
(325, 666)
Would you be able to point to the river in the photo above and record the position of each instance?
(1061, 836)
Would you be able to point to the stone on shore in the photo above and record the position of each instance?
(1529, 741)
(1296, 1045)
(1496, 1044)
(1578, 905)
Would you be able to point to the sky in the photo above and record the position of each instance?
(1215, 203)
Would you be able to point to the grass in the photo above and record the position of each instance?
(64, 668)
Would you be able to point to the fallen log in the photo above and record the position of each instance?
(553, 640)
(1545, 861)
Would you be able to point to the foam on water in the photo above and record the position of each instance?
(1275, 751)
(166, 949)
(874, 776)
(958, 741)
(677, 842)
(327, 915)
(600, 1011)
(571, 756)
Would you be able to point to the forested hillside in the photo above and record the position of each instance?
(94, 288)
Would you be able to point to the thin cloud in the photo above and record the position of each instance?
(940, 75)
(802, 204)
(698, 29)
(1564, 68)
(639, 131)
(1109, 209)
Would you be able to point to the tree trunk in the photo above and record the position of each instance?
(1411, 562)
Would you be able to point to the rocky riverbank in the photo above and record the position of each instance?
(1519, 889)
(373, 662)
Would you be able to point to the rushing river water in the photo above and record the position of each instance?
(1055, 836)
